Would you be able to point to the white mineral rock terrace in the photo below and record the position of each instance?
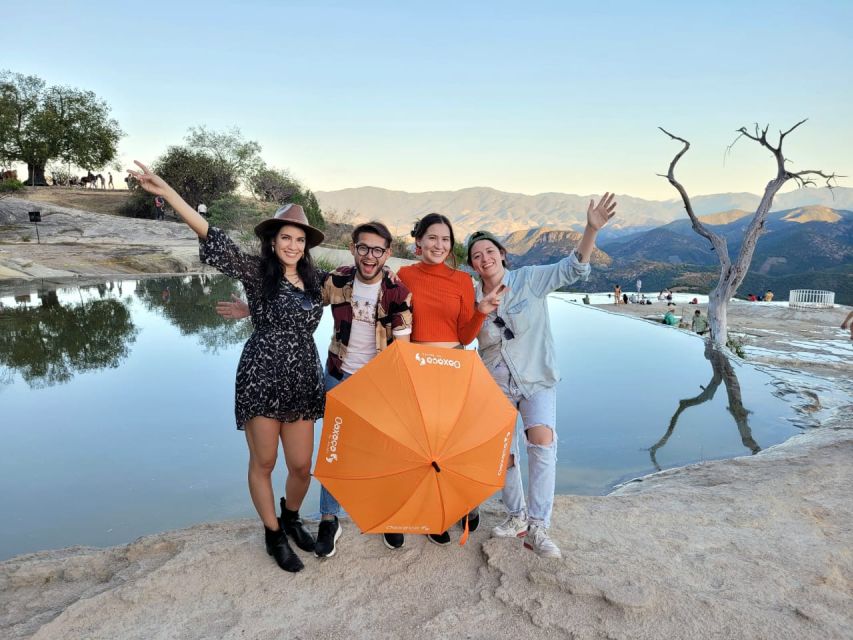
(754, 547)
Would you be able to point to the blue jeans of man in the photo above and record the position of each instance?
(328, 505)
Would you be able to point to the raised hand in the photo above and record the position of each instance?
(599, 215)
(151, 182)
(234, 310)
(492, 301)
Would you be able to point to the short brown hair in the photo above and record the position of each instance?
(374, 226)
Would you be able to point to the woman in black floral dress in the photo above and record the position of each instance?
(280, 391)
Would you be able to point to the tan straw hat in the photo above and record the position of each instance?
(290, 214)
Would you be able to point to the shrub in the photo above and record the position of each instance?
(736, 344)
(140, 204)
(239, 214)
(10, 186)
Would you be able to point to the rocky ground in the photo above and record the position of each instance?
(753, 547)
(71, 242)
(756, 547)
(76, 243)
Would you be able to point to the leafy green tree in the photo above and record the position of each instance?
(274, 185)
(40, 123)
(241, 214)
(241, 157)
(195, 175)
(312, 210)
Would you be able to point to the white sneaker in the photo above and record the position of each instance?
(538, 542)
(512, 527)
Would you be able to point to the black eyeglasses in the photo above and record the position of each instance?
(499, 322)
(376, 252)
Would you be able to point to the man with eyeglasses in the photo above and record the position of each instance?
(371, 308)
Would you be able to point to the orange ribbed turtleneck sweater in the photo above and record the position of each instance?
(442, 303)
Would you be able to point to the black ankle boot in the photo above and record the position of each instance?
(292, 525)
(280, 550)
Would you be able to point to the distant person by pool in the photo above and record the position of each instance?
(768, 297)
(699, 324)
(848, 322)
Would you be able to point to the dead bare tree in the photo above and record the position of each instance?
(732, 274)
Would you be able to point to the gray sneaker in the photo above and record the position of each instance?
(512, 527)
(538, 542)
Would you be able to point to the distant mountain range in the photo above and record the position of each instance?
(805, 247)
(502, 213)
(798, 240)
(808, 241)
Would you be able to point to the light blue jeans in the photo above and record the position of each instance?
(328, 505)
(538, 409)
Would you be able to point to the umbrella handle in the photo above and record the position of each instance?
(464, 538)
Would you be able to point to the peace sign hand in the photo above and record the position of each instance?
(151, 182)
(492, 301)
(599, 215)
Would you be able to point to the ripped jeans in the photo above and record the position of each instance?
(538, 409)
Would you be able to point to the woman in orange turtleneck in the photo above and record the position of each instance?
(444, 313)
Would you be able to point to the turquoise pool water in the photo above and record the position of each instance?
(117, 408)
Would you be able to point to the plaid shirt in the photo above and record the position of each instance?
(393, 312)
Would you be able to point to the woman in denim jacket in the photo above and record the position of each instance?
(516, 346)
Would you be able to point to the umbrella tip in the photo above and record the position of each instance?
(435, 466)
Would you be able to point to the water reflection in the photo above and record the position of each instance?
(722, 372)
(149, 443)
(49, 343)
(189, 304)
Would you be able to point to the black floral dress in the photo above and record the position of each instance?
(279, 375)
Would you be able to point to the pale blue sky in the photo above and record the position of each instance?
(534, 97)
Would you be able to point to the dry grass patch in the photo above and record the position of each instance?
(95, 200)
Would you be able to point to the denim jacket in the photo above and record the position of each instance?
(530, 356)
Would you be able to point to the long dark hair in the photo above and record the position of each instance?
(426, 222)
(272, 272)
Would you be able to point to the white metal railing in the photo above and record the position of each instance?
(811, 299)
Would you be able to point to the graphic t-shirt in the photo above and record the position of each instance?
(362, 337)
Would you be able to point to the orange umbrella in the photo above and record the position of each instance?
(415, 440)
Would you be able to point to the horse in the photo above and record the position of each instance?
(91, 180)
